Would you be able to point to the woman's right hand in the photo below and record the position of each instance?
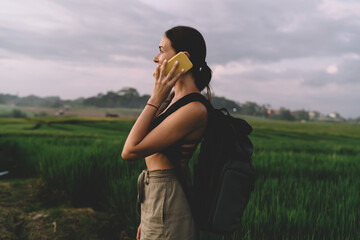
(138, 232)
(163, 83)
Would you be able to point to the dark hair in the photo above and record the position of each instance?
(189, 39)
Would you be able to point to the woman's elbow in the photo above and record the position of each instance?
(126, 155)
(129, 156)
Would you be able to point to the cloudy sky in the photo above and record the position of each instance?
(299, 54)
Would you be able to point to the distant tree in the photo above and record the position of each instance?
(263, 110)
(128, 92)
(16, 113)
(9, 98)
(35, 101)
(30, 100)
(221, 102)
(126, 97)
(302, 115)
(56, 104)
(250, 108)
(111, 99)
(41, 114)
(129, 97)
(285, 114)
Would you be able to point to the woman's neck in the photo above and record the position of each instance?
(184, 86)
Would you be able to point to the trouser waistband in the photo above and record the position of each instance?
(146, 177)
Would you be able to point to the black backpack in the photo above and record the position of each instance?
(223, 175)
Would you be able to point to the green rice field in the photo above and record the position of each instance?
(307, 185)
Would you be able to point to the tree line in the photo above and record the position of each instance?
(130, 98)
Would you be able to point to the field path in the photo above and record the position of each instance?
(23, 216)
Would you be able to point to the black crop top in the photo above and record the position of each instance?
(183, 149)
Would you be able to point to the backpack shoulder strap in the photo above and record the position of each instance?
(191, 97)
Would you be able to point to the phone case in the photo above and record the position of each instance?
(184, 63)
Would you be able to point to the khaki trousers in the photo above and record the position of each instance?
(165, 212)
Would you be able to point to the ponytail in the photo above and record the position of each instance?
(202, 77)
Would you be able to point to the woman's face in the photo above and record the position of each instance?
(166, 51)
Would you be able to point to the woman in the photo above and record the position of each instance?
(167, 145)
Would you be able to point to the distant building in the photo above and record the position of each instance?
(332, 117)
(11, 103)
(336, 117)
(312, 115)
(322, 117)
(272, 112)
(60, 112)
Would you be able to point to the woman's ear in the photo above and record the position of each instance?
(187, 54)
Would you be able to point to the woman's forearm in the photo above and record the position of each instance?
(162, 87)
(138, 131)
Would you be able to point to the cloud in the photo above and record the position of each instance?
(267, 32)
(235, 30)
(73, 79)
(340, 9)
(344, 72)
(332, 69)
(300, 54)
(88, 31)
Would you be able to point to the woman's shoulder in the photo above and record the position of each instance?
(197, 106)
(195, 110)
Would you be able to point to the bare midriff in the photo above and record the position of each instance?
(158, 161)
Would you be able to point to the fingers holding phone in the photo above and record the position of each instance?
(164, 82)
(168, 73)
(183, 61)
(174, 74)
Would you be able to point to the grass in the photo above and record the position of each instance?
(306, 187)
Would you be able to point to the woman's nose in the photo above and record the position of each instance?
(156, 59)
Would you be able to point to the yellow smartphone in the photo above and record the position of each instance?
(184, 63)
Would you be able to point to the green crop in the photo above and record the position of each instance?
(307, 184)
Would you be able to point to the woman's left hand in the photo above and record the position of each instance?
(138, 232)
(164, 83)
